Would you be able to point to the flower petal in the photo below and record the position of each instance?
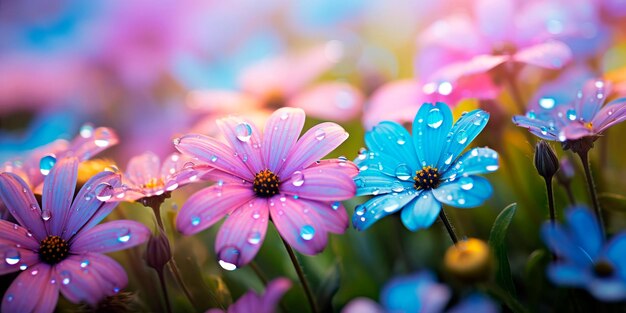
(610, 289)
(320, 183)
(568, 275)
(281, 133)
(421, 212)
(58, 192)
(316, 143)
(336, 101)
(333, 214)
(430, 128)
(19, 297)
(464, 131)
(496, 27)
(301, 227)
(392, 141)
(613, 113)
(83, 281)
(378, 207)
(274, 291)
(465, 192)
(558, 241)
(22, 204)
(245, 139)
(242, 234)
(13, 233)
(615, 251)
(475, 161)
(143, 168)
(552, 55)
(209, 205)
(396, 101)
(539, 128)
(110, 236)
(214, 153)
(585, 230)
(15, 259)
(426, 294)
(589, 100)
(373, 182)
(88, 144)
(363, 305)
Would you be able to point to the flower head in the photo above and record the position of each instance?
(584, 260)
(270, 174)
(253, 302)
(585, 118)
(59, 246)
(416, 173)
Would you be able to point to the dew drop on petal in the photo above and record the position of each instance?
(397, 187)
(243, 131)
(195, 220)
(466, 183)
(360, 210)
(254, 237)
(176, 141)
(84, 263)
(228, 257)
(23, 267)
(171, 185)
(547, 103)
(571, 114)
(10, 298)
(213, 159)
(12, 256)
(297, 178)
(403, 172)
(434, 118)
(342, 160)
(461, 137)
(47, 163)
(335, 205)
(86, 130)
(104, 191)
(102, 137)
(284, 116)
(492, 168)
(448, 159)
(124, 236)
(320, 134)
(46, 214)
(531, 114)
(401, 140)
(307, 232)
(66, 277)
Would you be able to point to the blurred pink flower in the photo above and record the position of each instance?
(270, 174)
(253, 302)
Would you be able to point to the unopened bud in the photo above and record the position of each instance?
(158, 251)
(469, 260)
(546, 161)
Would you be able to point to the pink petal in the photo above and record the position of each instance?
(34, 178)
(322, 183)
(301, 227)
(245, 139)
(17, 248)
(79, 283)
(209, 205)
(609, 115)
(174, 163)
(88, 144)
(280, 135)
(221, 101)
(107, 275)
(494, 19)
(274, 291)
(363, 305)
(32, 293)
(333, 214)
(336, 101)
(143, 168)
(456, 32)
(316, 143)
(477, 65)
(552, 55)
(58, 192)
(110, 236)
(348, 167)
(242, 233)
(575, 131)
(15, 234)
(214, 153)
(22, 204)
(397, 101)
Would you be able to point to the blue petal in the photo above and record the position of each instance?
(462, 134)
(616, 253)
(421, 212)
(475, 161)
(430, 129)
(416, 293)
(393, 141)
(476, 303)
(585, 230)
(378, 207)
(559, 242)
(539, 128)
(568, 275)
(375, 161)
(373, 182)
(608, 289)
(464, 192)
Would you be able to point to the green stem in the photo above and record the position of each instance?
(258, 273)
(570, 194)
(179, 279)
(550, 200)
(584, 158)
(444, 219)
(303, 281)
(168, 305)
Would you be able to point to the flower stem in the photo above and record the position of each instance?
(444, 219)
(570, 193)
(164, 289)
(550, 200)
(258, 273)
(584, 158)
(305, 283)
(179, 279)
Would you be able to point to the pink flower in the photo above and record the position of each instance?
(59, 247)
(253, 302)
(269, 174)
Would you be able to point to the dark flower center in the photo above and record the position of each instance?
(53, 249)
(427, 178)
(603, 269)
(266, 184)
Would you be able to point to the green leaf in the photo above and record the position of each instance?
(497, 243)
(613, 202)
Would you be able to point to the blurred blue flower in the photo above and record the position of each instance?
(419, 292)
(584, 260)
(420, 172)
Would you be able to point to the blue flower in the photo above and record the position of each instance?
(419, 173)
(419, 292)
(584, 260)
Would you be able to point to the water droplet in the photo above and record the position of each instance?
(84, 263)
(403, 172)
(320, 134)
(213, 159)
(531, 114)
(467, 183)
(284, 116)
(297, 178)
(171, 185)
(23, 267)
(335, 205)
(47, 163)
(401, 140)
(461, 137)
(103, 191)
(254, 237)
(444, 88)
(46, 214)
(12, 256)
(195, 220)
(176, 141)
(102, 137)
(307, 232)
(461, 201)
(434, 118)
(124, 236)
(547, 103)
(66, 277)
(243, 132)
(360, 210)
(448, 159)
(228, 258)
(10, 298)
(86, 131)
(397, 187)
(376, 191)
(342, 160)
(34, 272)
(571, 114)
(492, 168)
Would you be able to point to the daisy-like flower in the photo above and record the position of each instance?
(269, 175)
(575, 124)
(584, 260)
(59, 247)
(422, 293)
(253, 302)
(418, 173)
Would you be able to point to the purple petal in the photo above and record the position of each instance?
(316, 143)
(214, 153)
(539, 128)
(173, 163)
(209, 205)
(347, 167)
(58, 192)
(590, 99)
(110, 236)
(281, 133)
(575, 131)
(274, 291)
(552, 55)
(333, 214)
(336, 101)
(301, 227)
(455, 71)
(363, 305)
(20, 295)
(245, 139)
(613, 113)
(22, 204)
(143, 168)
(430, 129)
(87, 210)
(457, 33)
(17, 247)
(320, 183)
(421, 212)
(88, 144)
(242, 233)
(496, 27)
(15, 234)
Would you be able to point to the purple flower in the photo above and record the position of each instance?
(253, 302)
(59, 247)
(585, 117)
(269, 174)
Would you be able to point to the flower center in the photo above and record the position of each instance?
(427, 178)
(53, 249)
(266, 184)
(153, 183)
(603, 269)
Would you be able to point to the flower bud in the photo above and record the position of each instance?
(469, 260)
(546, 161)
(158, 251)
